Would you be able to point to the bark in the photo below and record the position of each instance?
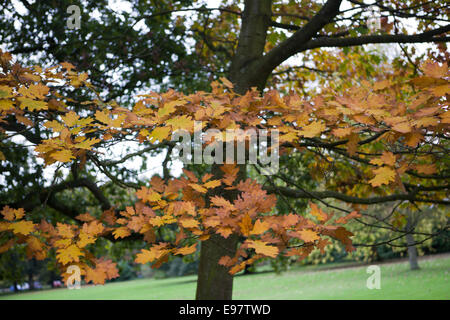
(412, 250)
(214, 282)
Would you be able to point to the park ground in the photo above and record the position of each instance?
(337, 281)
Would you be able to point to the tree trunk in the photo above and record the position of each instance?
(214, 281)
(412, 250)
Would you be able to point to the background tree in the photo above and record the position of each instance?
(255, 54)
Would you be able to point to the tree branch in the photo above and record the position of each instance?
(294, 193)
(428, 36)
(292, 45)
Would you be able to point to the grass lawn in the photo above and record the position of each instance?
(397, 282)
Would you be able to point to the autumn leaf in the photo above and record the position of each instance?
(383, 175)
(22, 227)
(65, 230)
(70, 118)
(181, 123)
(32, 105)
(308, 235)
(160, 133)
(221, 202)
(148, 195)
(151, 255)
(6, 92)
(85, 239)
(261, 247)
(145, 256)
(212, 184)
(318, 213)
(11, 214)
(70, 254)
(186, 250)
(259, 227)
(63, 155)
(345, 219)
(121, 232)
(188, 222)
(434, 70)
(226, 82)
(402, 127)
(225, 261)
(170, 107)
(198, 187)
(93, 227)
(313, 129)
(245, 225)
(387, 158)
(86, 217)
(342, 132)
(426, 168)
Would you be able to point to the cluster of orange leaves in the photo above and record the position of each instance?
(186, 202)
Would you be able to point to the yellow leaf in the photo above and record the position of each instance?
(318, 213)
(160, 133)
(197, 187)
(212, 184)
(63, 155)
(6, 105)
(387, 158)
(308, 235)
(181, 123)
(87, 144)
(383, 175)
(261, 247)
(170, 107)
(189, 222)
(38, 90)
(22, 227)
(6, 92)
(121, 232)
(70, 118)
(31, 104)
(313, 129)
(69, 254)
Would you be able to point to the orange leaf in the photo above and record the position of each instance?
(186, 250)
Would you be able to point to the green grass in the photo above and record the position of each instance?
(397, 282)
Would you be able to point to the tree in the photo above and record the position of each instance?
(380, 141)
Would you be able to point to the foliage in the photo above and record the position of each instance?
(377, 138)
